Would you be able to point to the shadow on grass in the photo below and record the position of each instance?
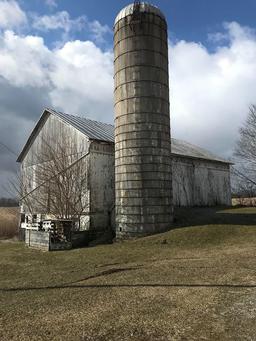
(74, 285)
(126, 286)
(107, 272)
(185, 217)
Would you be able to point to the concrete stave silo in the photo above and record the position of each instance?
(142, 122)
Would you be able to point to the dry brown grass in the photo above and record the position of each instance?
(9, 220)
(200, 284)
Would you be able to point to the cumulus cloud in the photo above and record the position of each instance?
(82, 78)
(76, 78)
(98, 31)
(11, 15)
(51, 3)
(24, 61)
(78, 68)
(60, 20)
(210, 92)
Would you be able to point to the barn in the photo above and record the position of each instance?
(199, 178)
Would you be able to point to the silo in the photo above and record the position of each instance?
(143, 178)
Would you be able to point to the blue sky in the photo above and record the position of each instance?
(191, 20)
(58, 53)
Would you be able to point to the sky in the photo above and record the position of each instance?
(58, 53)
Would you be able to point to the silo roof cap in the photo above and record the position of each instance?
(144, 7)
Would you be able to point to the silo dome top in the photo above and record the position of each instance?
(144, 7)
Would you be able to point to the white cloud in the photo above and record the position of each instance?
(237, 32)
(11, 15)
(83, 80)
(218, 37)
(211, 92)
(63, 21)
(51, 3)
(24, 61)
(98, 31)
(79, 69)
(75, 78)
(60, 20)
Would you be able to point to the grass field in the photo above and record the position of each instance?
(9, 219)
(195, 282)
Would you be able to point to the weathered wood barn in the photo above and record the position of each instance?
(199, 177)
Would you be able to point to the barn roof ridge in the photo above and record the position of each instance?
(77, 116)
(101, 131)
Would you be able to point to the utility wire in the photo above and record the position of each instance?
(55, 175)
(8, 148)
(243, 176)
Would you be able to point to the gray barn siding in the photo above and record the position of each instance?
(101, 184)
(195, 183)
(200, 182)
(54, 131)
(99, 162)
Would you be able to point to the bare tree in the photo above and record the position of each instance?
(57, 182)
(246, 145)
(19, 188)
(244, 172)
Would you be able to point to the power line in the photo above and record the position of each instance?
(57, 174)
(8, 148)
(243, 176)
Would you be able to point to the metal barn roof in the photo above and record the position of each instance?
(105, 132)
(93, 129)
(183, 148)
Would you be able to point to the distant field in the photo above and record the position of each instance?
(195, 282)
(9, 219)
(244, 201)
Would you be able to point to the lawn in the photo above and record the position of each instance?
(195, 282)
